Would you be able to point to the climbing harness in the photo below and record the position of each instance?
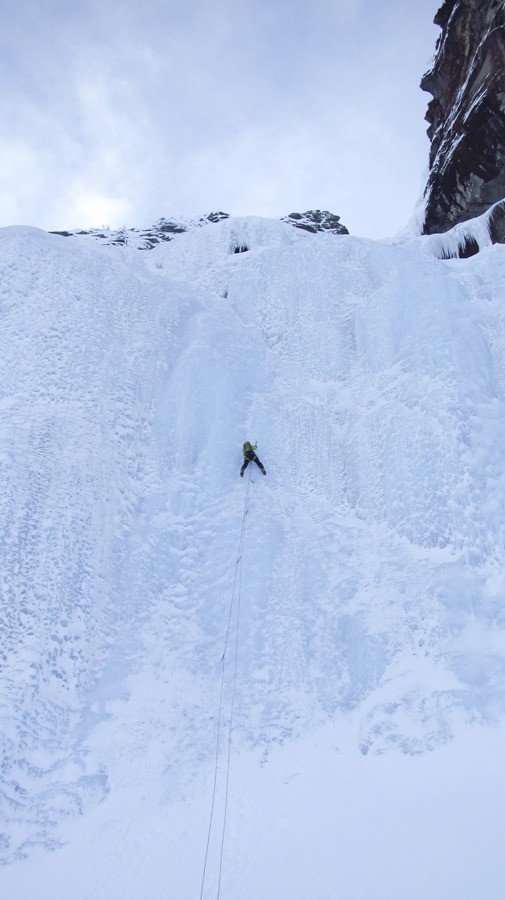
(235, 594)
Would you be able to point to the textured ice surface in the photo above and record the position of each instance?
(373, 378)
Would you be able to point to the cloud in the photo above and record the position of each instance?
(94, 209)
(169, 107)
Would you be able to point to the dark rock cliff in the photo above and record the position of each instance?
(467, 115)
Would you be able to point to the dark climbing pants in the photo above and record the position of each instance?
(250, 456)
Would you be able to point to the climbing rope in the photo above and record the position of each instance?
(236, 593)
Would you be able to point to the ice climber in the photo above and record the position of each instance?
(250, 456)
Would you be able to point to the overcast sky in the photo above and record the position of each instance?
(122, 112)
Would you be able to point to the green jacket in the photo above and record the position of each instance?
(247, 446)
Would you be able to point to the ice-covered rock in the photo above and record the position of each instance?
(166, 229)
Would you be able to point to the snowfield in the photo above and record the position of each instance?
(362, 615)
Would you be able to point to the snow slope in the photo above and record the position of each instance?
(367, 733)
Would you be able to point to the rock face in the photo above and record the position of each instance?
(467, 115)
(315, 220)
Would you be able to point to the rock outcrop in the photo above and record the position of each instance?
(314, 220)
(467, 116)
(145, 238)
